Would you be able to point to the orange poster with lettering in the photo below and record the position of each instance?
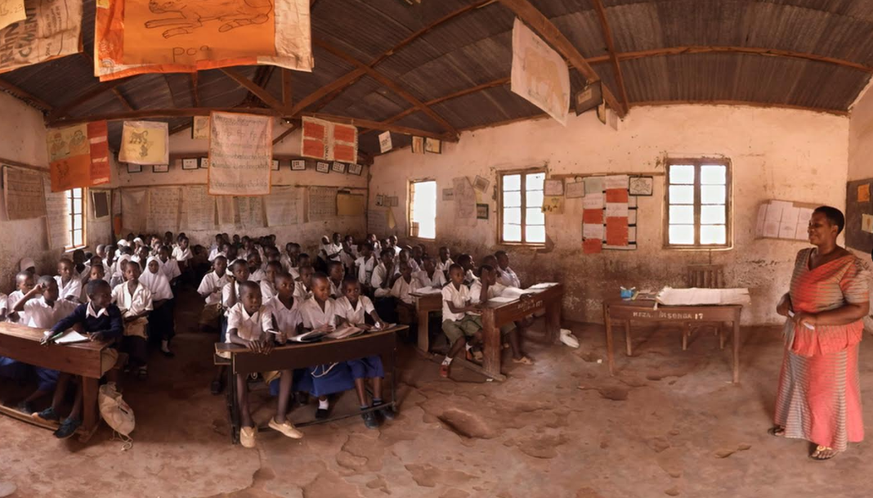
(78, 156)
(136, 37)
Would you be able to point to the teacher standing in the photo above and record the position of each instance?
(819, 396)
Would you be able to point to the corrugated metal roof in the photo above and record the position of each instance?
(474, 49)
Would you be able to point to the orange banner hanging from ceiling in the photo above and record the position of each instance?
(136, 37)
(78, 156)
(329, 141)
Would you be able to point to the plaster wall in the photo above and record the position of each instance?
(775, 154)
(861, 138)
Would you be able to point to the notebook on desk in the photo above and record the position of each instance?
(71, 337)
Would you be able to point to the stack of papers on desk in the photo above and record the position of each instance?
(428, 290)
(72, 337)
(345, 332)
(697, 297)
(543, 286)
(310, 336)
(387, 326)
(503, 299)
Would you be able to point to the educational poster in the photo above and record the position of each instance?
(200, 129)
(226, 210)
(609, 214)
(465, 198)
(616, 212)
(57, 220)
(51, 30)
(199, 207)
(321, 203)
(144, 142)
(329, 141)
(135, 210)
(136, 37)
(78, 156)
(385, 142)
(418, 145)
(539, 74)
(251, 212)
(282, 206)
(592, 223)
(575, 190)
(782, 220)
(23, 193)
(11, 11)
(164, 209)
(240, 154)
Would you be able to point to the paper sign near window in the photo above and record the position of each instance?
(575, 190)
(864, 193)
(554, 187)
(593, 201)
(385, 142)
(553, 204)
(616, 181)
(594, 185)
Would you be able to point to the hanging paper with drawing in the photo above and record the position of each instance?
(329, 141)
(78, 156)
(23, 194)
(240, 154)
(200, 130)
(50, 30)
(539, 74)
(136, 37)
(144, 142)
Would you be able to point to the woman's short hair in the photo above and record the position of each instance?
(834, 216)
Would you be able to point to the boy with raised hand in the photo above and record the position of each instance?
(462, 328)
(249, 324)
(101, 321)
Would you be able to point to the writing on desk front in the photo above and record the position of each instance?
(667, 315)
(529, 305)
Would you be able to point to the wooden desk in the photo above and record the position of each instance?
(643, 311)
(424, 305)
(84, 359)
(296, 355)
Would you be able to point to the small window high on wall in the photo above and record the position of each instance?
(698, 204)
(76, 210)
(422, 209)
(520, 211)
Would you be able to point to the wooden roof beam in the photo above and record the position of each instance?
(121, 98)
(285, 133)
(366, 123)
(62, 111)
(335, 88)
(159, 114)
(610, 47)
(287, 88)
(258, 91)
(553, 36)
(706, 49)
(24, 95)
(391, 84)
(195, 88)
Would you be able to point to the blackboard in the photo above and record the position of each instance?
(100, 202)
(855, 209)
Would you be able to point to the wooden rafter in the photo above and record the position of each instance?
(24, 95)
(366, 123)
(124, 101)
(182, 127)
(170, 89)
(705, 49)
(195, 88)
(258, 91)
(835, 112)
(333, 89)
(287, 88)
(610, 47)
(159, 113)
(285, 133)
(62, 111)
(553, 36)
(391, 84)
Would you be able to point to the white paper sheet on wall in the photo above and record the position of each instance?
(615, 181)
(574, 190)
(282, 206)
(759, 223)
(593, 201)
(788, 225)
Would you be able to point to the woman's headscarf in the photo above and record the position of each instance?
(157, 283)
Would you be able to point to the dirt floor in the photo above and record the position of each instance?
(669, 423)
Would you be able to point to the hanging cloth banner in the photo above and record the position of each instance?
(145, 142)
(51, 30)
(539, 74)
(329, 141)
(137, 37)
(78, 156)
(240, 154)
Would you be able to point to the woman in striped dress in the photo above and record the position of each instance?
(819, 397)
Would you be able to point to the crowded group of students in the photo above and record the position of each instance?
(257, 296)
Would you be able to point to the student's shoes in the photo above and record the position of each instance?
(321, 413)
(370, 419)
(25, 407)
(48, 415)
(286, 428)
(165, 349)
(68, 428)
(247, 436)
(387, 411)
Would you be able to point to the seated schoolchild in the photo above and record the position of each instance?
(101, 321)
(27, 264)
(384, 275)
(289, 258)
(24, 282)
(354, 309)
(182, 253)
(364, 266)
(466, 262)
(401, 291)
(303, 283)
(406, 257)
(335, 273)
(268, 283)
(134, 302)
(464, 330)
(418, 254)
(249, 324)
(256, 273)
(487, 287)
(162, 326)
(374, 241)
(43, 310)
(230, 295)
(78, 262)
(319, 313)
(169, 266)
(430, 276)
(348, 255)
(507, 276)
(210, 290)
(69, 284)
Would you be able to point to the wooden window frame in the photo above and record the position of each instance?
(409, 207)
(71, 232)
(697, 162)
(523, 172)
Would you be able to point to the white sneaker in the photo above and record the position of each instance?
(286, 428)
(569, 339)
(247, 436)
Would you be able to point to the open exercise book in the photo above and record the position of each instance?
(71, 337)
(696, 297)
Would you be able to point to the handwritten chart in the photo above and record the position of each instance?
(134, 208)
(322, 203)
(200, 209)
(282, 206)
(251, 211)
(57, 219)
(24, 193)
(164, 204)
(240, 154)
(226, 211)
(465, 198)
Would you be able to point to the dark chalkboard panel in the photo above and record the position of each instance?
(855, 237)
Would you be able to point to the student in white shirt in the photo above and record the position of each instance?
(487, 287)
(182, 252)
(406, 284)
(319, 313)
(364, 265)
(134, 300)
(462, 328)
(4, 306)
(335, 273)
(169, 266)
(466, 263)
(210, 290)
(444, 261)
(385, 274)
(348, 256)
(24, 283)
(256, 273)
(231, 290)
(69, 286)
(374, 241)
(406, 257)
(392, 243)
(303, 283)
(284, 307)
(250, 324)
(161, 321)
(353, 308)
(289, 258)
(27, 264)
(268, 283)
(429, 276)
(506, 276)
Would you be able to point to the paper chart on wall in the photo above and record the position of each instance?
(200, 209)
(594, 185)
(539, 74)
(593, 201)
(57, 219)
(615, 182)
(282, 206)
(24, 194)
(251, 212)
(377, 221)
(574, 190)
(135, 208)
(164, 207)
(465, 198)
(227, 213)
(12, 11)
(788, 225)
(321, 203)
(52, 29)
(240, 154)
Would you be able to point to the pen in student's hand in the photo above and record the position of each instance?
(51, 338)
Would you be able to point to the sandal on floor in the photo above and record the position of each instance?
(776, 431)
(523, 361)
(819, 450)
